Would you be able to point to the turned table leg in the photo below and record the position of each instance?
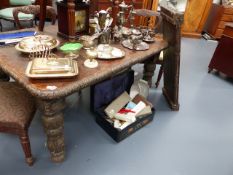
(149, 68)
(3, 76)
(53, 123)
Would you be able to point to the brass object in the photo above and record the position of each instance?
(103, 22)
(148, 35)
(91, 55)
(89, 41)
(121, 31)
(134, 40)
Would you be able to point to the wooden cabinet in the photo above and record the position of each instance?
(222, 59)
(220, 15)
(195, 17)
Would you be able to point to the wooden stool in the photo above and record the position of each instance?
(17, 109)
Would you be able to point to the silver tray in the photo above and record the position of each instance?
(108, 52)
(68, 74)
(141, 46)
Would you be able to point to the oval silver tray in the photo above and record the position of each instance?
(112, 53)
(139, 47)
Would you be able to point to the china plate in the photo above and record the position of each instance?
(27, 44)
(108, 52)
(141, 46)
(67, 74)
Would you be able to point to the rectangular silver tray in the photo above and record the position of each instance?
(73, 72)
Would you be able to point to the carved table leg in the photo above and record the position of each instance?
(54, 127)
(3, 76)
(172, 21)
(149, 68)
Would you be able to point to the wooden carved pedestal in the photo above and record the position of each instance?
(54, 127)
(172, 21)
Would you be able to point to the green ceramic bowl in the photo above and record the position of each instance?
(71, 47)
(71, 50)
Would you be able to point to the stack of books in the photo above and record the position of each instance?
(124, 111)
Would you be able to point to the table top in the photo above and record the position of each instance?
(14, 63)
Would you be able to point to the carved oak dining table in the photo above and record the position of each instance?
(52, 102)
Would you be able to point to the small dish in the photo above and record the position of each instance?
(108, 52)
(139, 47)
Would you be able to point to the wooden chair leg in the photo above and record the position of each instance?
(210, 70)
(159, 76)
(35, 22)
(31, 21)
(25, 142)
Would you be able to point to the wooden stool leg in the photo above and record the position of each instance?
(159, 76)
(24, 139)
